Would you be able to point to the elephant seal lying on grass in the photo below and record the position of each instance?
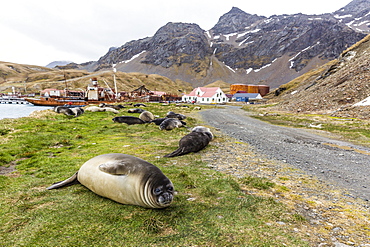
(125, 179)
(128, 120)
(195, 141)
(69, 111)
(171, 123)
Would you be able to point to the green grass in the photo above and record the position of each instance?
(209, 209)
(258, 183)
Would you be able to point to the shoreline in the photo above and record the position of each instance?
(19, 110)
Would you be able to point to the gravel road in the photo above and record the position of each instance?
(340, 163)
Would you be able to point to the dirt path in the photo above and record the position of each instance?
(343, 164)
(314, 178)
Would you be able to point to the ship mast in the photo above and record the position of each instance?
(65, 82)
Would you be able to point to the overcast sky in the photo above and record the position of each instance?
(38, 32)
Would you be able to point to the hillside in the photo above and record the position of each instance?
(241, 47)
(331, 89)
(33, 79)
(225, 87)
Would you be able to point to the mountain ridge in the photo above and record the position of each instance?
(241, 47)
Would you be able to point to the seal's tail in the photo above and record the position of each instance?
(68, 182)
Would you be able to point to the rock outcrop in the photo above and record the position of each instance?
(355, 15)
(334, 89)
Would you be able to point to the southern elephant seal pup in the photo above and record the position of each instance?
(179, 116)
(63, 109)
(139, 104)
(69, 111)
(158, 121)
(125, 179)
(77, 111)
(116, 107)
(146, 116)
(171, 123)
(110, 109)
(195, 141)
(94, 109)
(101, 109)
(128, 120)
(135, 110)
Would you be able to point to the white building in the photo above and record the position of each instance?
(206, 95)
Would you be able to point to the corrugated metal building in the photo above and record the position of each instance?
(246, 97)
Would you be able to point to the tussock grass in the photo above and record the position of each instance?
(209, 209)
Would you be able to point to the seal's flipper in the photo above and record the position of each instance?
(177, 152)
(114, 168)
(68, 182)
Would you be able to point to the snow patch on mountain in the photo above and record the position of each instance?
(133, 57)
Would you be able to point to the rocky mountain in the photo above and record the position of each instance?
(335, 88)
(57, 63)
(355, 15)
(242, 48)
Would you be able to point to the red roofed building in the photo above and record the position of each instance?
(206, 95)
(157, 93)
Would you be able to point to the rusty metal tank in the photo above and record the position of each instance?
(252, 89)
(263, 90)
(248, 88)
(234, 88)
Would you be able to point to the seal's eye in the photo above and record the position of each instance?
(170, 188)
(157, 191)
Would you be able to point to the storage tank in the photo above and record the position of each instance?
(252, 89)
(263, 90)
(234, 88)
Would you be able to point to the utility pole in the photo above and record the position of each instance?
(114, 80)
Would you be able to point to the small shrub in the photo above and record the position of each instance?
(153, 225)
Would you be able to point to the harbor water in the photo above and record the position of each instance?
(19, 110)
